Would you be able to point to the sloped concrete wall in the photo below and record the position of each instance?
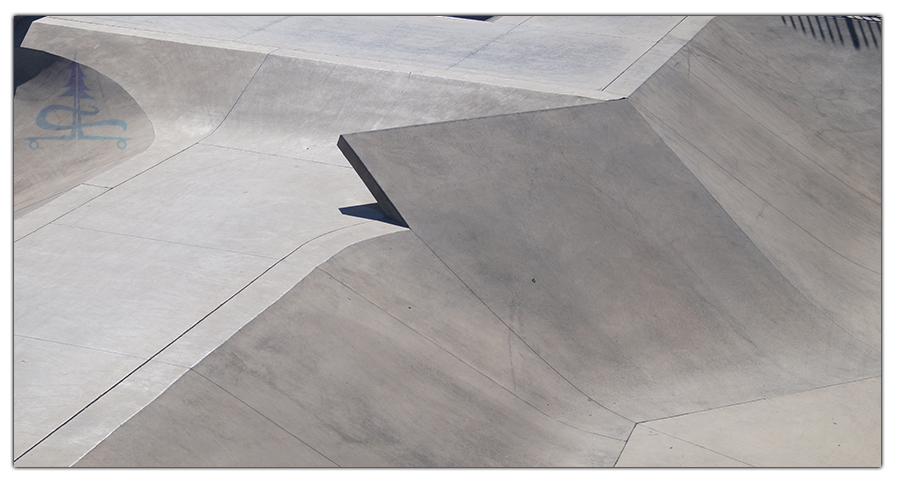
(783, 127)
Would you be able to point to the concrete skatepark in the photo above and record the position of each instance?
(648, 241)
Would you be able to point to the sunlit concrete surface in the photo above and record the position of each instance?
(616, 241)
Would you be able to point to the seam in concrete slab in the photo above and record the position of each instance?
(279, 19)
(238, 99)
(38, 339)
(64, 214)
(697, 445)
(739, 403)
(517, 335)
(485, 45)
(108, 189)
(165, 241)
(264, 153)
(513, 394)
(630, 433)
(182, 334)
(758, 400)
(644, 54)
(265, 417)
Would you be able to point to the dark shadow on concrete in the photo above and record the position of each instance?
(383, 201)
(20, 28)
(370, 211)
(27, 63)
(474, 18)
(862, 31)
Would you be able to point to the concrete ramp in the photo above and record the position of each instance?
(137, 269)
(783, 127)
(71, 123)
(688, 275)
(600, 249)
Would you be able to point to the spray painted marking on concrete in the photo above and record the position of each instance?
(78, 91)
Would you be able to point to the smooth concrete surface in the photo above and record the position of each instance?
(572, 291)
(784, 129)
(325, 99)
(364, 386)
(161, 256)
(601, 250)
(578, 55)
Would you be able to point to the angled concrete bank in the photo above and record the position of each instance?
(570, 264)
(579, 285)
(125, 281)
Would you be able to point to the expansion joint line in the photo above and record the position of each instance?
(699, 446)
(479, 49)
(63, 214)
(177, 338)
(442, 348)
(198, 141)
(517, 335)
(236, 101)
(627, 439)
(263, 415)
(644, 54)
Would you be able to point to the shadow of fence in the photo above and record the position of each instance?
(860, 31)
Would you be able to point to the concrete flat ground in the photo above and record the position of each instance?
(541, 241)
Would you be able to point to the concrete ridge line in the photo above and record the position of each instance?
(86, 24)
(213, 349)
(780, 137)
(729, 405)
(263, 415)
(769, 203)
(182, 334)
(238, 99)
(455, 75)
(777, 268)
(64, 214)
(488, 117)
(464, 362)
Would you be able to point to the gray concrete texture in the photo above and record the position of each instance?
(686, 277)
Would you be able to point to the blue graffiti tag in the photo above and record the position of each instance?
(78, 91)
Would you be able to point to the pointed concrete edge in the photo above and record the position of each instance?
(383, 201)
